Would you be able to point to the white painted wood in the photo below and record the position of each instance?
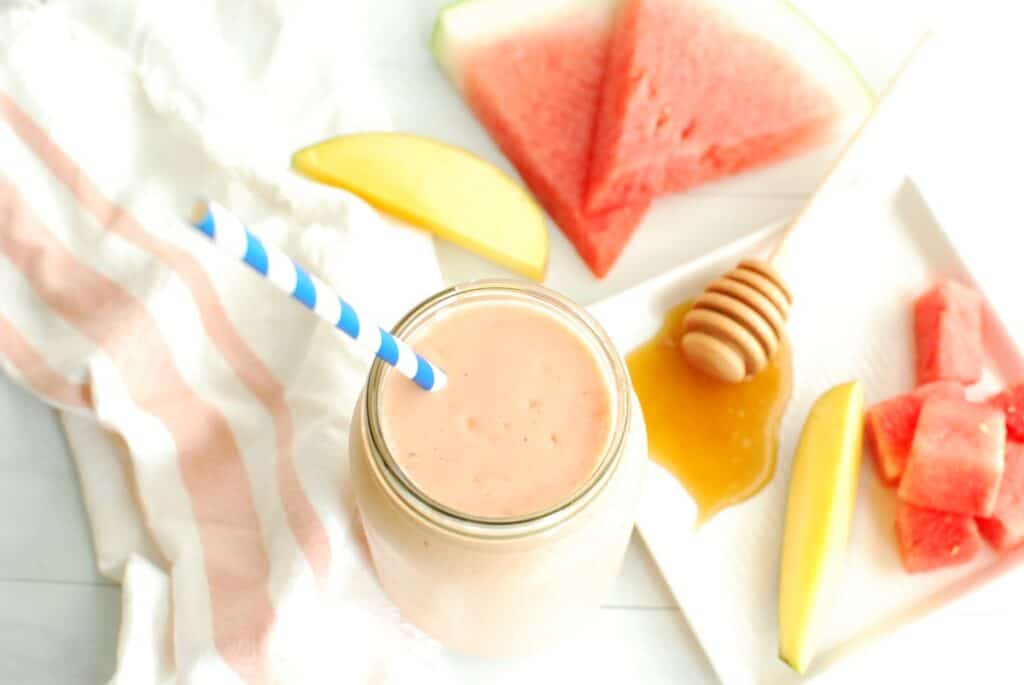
(56, 632)
(44, 534)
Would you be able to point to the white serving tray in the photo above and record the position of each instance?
(868, 242)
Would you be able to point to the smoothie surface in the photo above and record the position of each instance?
(523, 422)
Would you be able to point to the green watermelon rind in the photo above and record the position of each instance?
(841, 76)
(437, 37)
(869, 93)
(444, 42)
(861, 97)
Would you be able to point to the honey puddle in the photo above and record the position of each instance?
(720, 440)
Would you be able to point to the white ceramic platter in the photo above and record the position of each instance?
(867, 244)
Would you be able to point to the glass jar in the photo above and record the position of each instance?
(499, 587)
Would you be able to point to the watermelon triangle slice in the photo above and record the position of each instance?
(698, 90)
(532, 71)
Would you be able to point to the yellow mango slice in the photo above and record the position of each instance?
(822, 494)
(443, 189)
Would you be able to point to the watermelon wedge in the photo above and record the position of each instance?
(956, 459)
(1011, 401)
(701, 89)
(891, 425)
(532, 71)
(1005, 528)
(932, 539)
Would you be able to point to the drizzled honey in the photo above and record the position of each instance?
(719, 439)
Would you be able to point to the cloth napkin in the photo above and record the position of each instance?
(208, 414)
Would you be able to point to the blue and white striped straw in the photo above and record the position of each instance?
(231, 235)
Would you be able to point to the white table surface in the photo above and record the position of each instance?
(59, 617)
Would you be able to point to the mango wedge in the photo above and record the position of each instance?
(822, 494)
(445, 190)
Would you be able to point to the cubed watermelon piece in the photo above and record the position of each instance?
(1005, 528)
(891, 425)
(697, 90)
(932, 539)
(947, 331)
(1011, 401)
(956, 458)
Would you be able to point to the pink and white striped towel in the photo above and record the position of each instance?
(207, 415)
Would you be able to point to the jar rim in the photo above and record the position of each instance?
(595, 338)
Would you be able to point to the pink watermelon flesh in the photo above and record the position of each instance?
(537, 96)
(691, 97)
(1005, 528)
(932, 539)
(956, 458)
(891, 425)
(947, 332)
(1011, 401)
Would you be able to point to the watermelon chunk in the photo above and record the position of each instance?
(956, 458)
(932, 539)
(891, 425)
(701, 89)
(947, 332)
(532, 73)
(1011, 401)
(1005, 528)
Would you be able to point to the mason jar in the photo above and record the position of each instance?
(500, 586)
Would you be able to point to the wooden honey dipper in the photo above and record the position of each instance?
(734, 328)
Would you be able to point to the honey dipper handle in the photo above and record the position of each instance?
(782, 240)
(894, 106)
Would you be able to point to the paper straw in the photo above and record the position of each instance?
(230, 234)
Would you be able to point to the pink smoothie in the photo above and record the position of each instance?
(523, 422)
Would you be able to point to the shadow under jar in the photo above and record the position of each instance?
(498, 509)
